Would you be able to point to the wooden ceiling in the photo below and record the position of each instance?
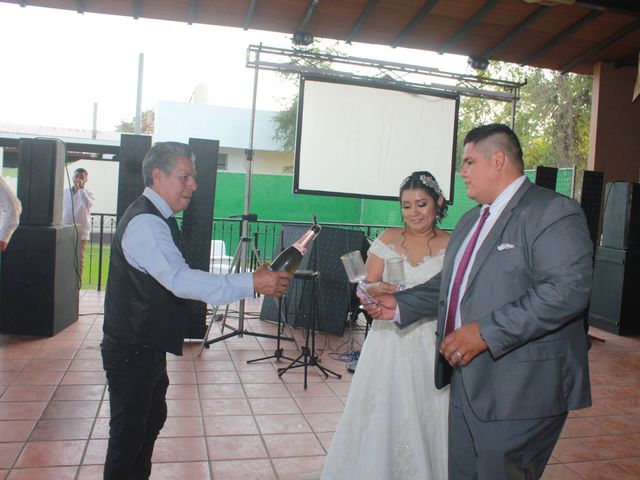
(564, 35)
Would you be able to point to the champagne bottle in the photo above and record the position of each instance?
(290, 258)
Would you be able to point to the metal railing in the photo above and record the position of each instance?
(264, 233)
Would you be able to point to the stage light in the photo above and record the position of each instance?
(302, 38)
(478, 63)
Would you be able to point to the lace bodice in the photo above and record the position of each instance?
(414, 275)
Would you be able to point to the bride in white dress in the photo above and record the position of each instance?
(394, 425)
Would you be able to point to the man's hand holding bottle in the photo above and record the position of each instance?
(268, 282)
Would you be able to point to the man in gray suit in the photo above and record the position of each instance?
(516, 276)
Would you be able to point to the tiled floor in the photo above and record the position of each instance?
(229, 420)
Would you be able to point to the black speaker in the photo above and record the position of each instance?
(616, 282)
(41, 180)
(591, 200)
(335, 292)
(39, 281)
(133, 148)
(546, 177)
(197, 222)
(621, 221)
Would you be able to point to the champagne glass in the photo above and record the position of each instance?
(394, 270)
(356, 271)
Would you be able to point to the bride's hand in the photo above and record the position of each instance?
(381, 288)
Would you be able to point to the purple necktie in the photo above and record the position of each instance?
(462, 268)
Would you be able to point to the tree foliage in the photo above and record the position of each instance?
(146, 123)
(552, 116)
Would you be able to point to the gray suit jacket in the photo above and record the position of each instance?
(527, 301)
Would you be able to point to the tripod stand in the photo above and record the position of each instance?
(278, 352)
(239, 259)
(307, 355)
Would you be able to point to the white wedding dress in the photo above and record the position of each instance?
(394, 425)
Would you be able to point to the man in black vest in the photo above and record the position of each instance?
(145, 310)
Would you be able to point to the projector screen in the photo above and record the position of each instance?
(360, 140)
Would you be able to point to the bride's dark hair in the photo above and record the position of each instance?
(427, 182)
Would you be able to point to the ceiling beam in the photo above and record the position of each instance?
(361, 19)
(628, 60)
(415, 21)
(248, 18)
(598, 48)
(486, 8)
(517, 30)
(307, 16)
(589, 17)
(193, 10)
(135, 9)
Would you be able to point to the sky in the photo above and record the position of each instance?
(56, 64)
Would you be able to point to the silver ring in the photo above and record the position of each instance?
(459, 354)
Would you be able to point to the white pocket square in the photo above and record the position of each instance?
(505, 246)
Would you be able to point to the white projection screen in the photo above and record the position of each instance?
(358, 139)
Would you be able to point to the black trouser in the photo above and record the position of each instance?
(138, 381)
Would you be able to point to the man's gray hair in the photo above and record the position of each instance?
(164, 155)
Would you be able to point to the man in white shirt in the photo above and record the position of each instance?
(76, 209)
(511, 341)
(145, 312)
(10, 209)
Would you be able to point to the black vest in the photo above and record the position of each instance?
(137, 309)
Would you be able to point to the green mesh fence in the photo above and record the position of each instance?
(272, 198)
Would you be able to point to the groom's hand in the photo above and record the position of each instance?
(461, 346)
(384, 307)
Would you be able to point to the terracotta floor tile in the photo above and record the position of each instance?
(571, 450)
(615, 446)
(7, 377)
(83, 378)
(243, 470)
(8, 453)
(583, 427)
(90, 472)
(613, 424)
(225, 406)
(182, 378)
(96, 452)
(12, 365)
(55, 353)
(180, 366)
(269, 406)
(294, 468)
(266, 390)
(47, 365)
(45, 473)
(71, 409)
(86, 366)
(63, 429)
(214, 366)
(293, 423)
(79, 392)
(221, 390)
(323, 422)
(293, 445)
(21, 410)
(560, 472)
(236, 447)
(28, 393)
(51, 454)
(319, 404)
(182, 470)
(185, 449)
(16, 430)
(325, 439)
(182, 392)
(230, 425)
(602, 470)
(101, 428)
(630, 464)
(317, 390)
(38, 378)
(183, 408)
(258, 377)
(183, 427)
(216, 377)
